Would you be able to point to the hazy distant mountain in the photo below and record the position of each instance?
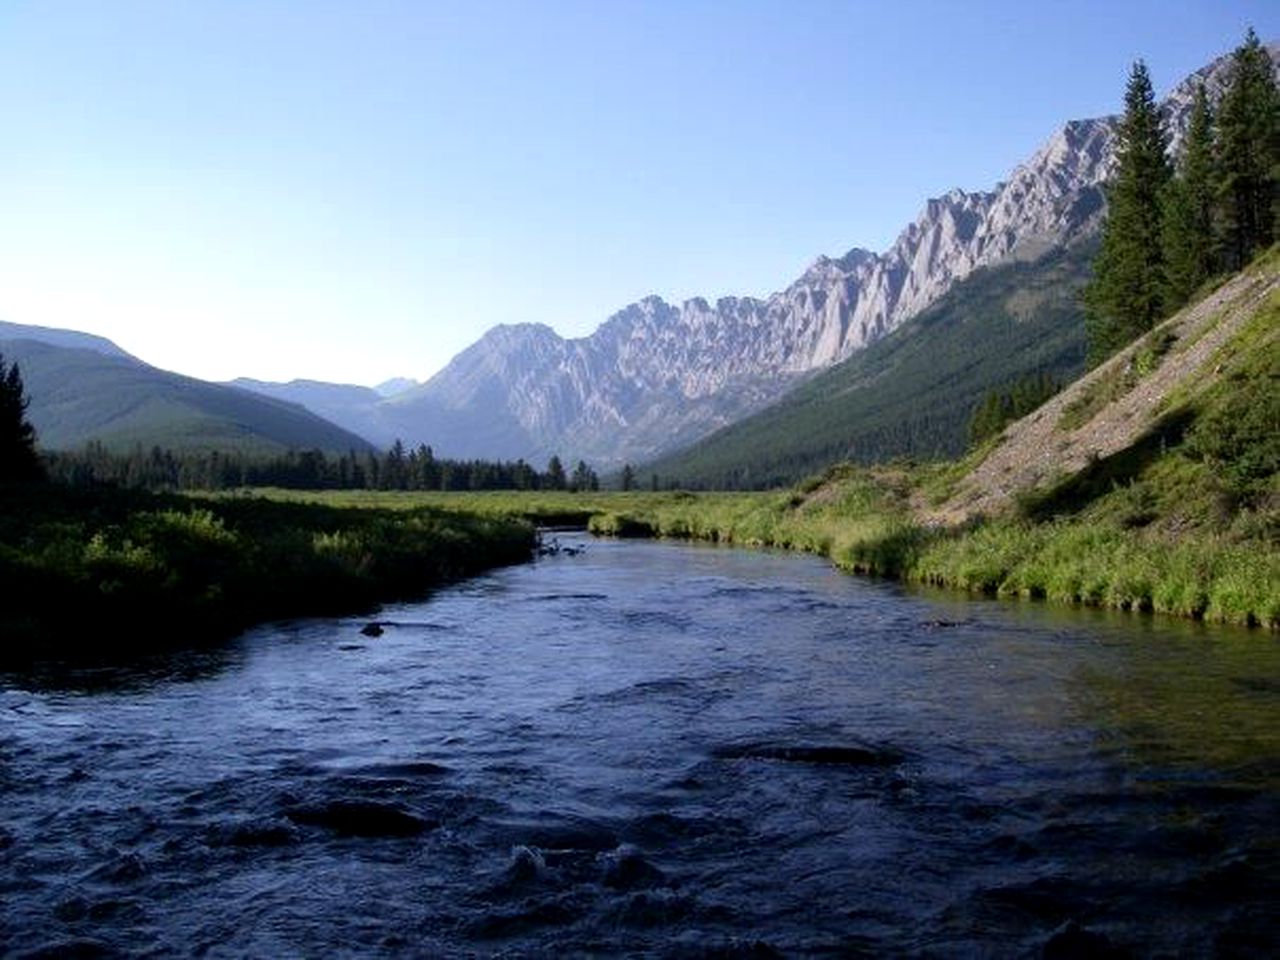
(655, 375)
(395, 386)
(102, 393)
(61, 338)
(351, 407)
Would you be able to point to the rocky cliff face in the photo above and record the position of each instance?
(655, 376)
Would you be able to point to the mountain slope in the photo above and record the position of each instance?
(354, 408)
(72, 339)
(910, 393)
(79, 395)
(656, 375)
(1222, 353)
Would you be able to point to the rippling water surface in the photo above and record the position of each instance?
(654, 749)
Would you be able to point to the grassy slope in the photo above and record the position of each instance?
(910, 393)
(78, 395)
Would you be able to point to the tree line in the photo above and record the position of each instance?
(396, 469)
(1173, 225)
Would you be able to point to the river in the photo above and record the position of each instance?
(654, 749)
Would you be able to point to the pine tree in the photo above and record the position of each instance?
(1126, 296)
(18, 459)
(1249, 153)
(628, 477)
(555, 479)
(1187, 210)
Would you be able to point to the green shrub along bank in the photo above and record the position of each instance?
(95, 571)
(861, 520)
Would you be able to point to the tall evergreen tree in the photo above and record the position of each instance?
(1126, 296)
(1249, 153)
(555, 479)
(18, 459)
(1187, 227)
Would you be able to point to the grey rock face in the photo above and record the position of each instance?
(656, 376)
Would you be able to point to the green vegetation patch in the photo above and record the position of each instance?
(95, 571)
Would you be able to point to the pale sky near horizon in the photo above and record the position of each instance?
(353, 191)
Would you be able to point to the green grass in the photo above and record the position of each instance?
(860, 520)
(1162, 535)
(102, 571)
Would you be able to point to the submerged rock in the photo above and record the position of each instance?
(1072, 942)
(360, 818)
(627, 869)
(372, 629)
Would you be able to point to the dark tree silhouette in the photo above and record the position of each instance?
(18, 459)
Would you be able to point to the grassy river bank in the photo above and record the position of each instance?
(1155, 544)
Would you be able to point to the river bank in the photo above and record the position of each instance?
(1164, 544)
(98, 572)
(862, 520)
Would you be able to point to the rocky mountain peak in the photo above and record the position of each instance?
(655, 375)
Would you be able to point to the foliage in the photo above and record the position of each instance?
(1006, 404)
(97, 571)
(1249, 153)
(18, 460)
(1126, 296)
(1187, 210)
(397, 469)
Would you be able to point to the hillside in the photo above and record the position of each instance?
(1196, 380)
(354, 408)
(79, 395)
(911, 393)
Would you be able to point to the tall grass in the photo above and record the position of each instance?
(85, 571)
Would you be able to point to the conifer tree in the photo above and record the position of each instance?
(1249, 152)
(555, 479)
(1126, 296)
(1187, 227)
(18, 459)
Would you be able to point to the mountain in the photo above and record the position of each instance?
(73, 339)
(656, 376)
(101, 393)
(911, 392)
(395, 386)
(351, 407)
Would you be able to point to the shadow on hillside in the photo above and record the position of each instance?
(1101, 476)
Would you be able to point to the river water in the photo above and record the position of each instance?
(650, 749)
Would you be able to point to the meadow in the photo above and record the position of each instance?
(1133, 547)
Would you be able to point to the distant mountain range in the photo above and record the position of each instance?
(656, 377)
(83, 388)
(910, 393)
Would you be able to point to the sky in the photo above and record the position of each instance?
(351, 191)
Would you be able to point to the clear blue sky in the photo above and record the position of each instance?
(350, 191)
